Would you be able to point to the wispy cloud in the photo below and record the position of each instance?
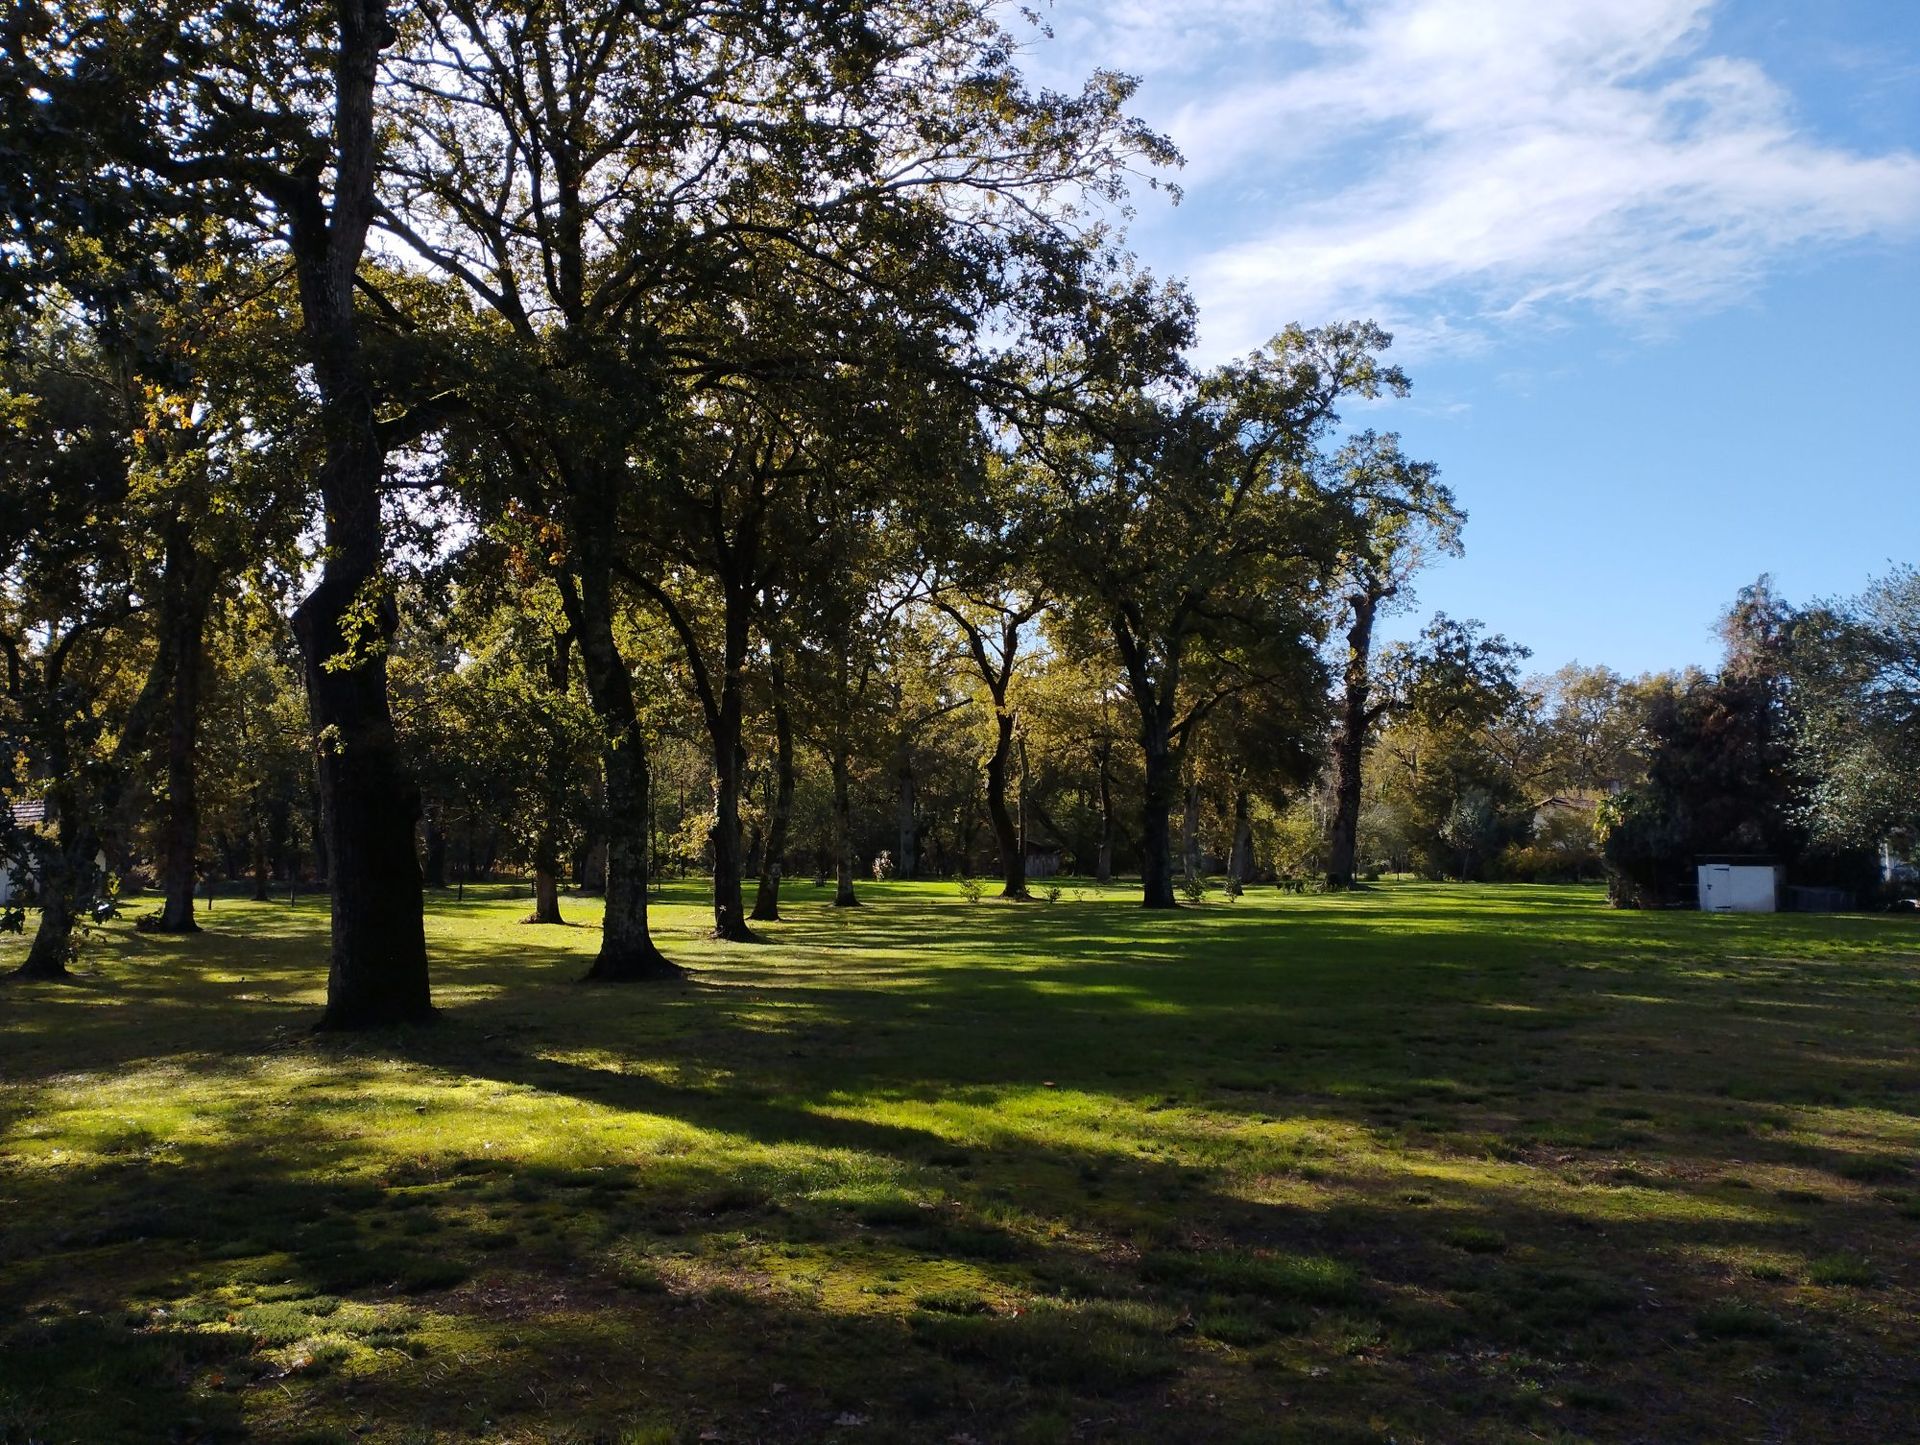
(1457, 165)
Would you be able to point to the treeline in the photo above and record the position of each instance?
(596, 439)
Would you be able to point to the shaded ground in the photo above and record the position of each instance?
(1420, 1164)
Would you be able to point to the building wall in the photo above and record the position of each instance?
(1731, 888)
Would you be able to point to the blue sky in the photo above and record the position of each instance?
(1654, 266)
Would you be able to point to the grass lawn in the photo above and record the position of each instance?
(1419, 1164)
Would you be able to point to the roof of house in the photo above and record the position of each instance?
(29, 810)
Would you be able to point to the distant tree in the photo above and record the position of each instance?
(845, 630)
(1405, 518)
(1462, 745)
(994, 611)
(1196, 528)
(1078, 717)
(80, 700)
(1594, 725)
(1722, 775)
(1854, 669)
(256, 755)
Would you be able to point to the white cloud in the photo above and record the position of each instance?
(1454, 165)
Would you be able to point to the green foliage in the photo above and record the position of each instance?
(1855, 669)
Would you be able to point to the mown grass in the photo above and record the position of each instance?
(1419, 1164)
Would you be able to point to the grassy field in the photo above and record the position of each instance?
(1416, 1164)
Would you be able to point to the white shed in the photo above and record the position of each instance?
(1739, 888)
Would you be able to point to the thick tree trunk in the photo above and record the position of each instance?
(1153, 699)
(368, 804)
(368, 807)
(766, 904)
(1006, 832)
(546, 879)
(52, 941)
(627, 952)
(58, 884)
(546, 897)
(843, 896)
(188, 601)
(1156, 820)
(1349, 745)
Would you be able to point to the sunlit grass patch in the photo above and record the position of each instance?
(1435, 1163)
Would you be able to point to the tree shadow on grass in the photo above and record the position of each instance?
(1456, 1251)
(534, 1296)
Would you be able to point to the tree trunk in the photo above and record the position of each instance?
(1006, 832)
(368, 804)
(967, 833)
(546, 897)
(1153, 699)
(187, 600)
(257, 841)
(546, 879)
(52, 941)
(378, 972)
(766, 904)
(1190, 859)
(729, 872)
(1156, 813)
(1240, 864)
(843, 834)
(436, 872)
(1349, 745)
(906, 827)
(59, 881)
(627, 952)
(1103, 865)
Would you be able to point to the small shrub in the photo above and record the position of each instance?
(1051, 893)
(882, 866)
(970, 889)
(1194, 887)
